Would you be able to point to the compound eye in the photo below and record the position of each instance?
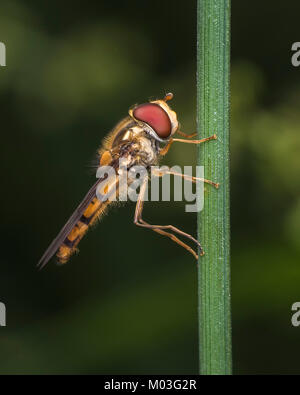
(154, 116)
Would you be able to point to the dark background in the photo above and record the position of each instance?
(128, 302)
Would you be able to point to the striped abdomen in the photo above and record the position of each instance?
(93, 212)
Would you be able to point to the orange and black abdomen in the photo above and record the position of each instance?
(91, 208)
(93, 211)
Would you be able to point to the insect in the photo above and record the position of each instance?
(136, 140)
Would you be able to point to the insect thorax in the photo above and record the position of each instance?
(137, 147)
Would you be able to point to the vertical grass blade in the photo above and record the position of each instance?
(213, 62)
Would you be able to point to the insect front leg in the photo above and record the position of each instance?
(166, 148)
(186, 135)
(161, 228)
(213, 137)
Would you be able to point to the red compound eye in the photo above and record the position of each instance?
(155, 117)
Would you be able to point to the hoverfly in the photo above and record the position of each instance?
(136, 140)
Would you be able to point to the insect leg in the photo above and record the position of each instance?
(166, 148)
(186, 135)
(213, 137)
(160, 228)
(161, 173)
(175, 239)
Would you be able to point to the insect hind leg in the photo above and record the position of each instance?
(161, 229)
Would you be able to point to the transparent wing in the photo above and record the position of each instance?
(75, 217)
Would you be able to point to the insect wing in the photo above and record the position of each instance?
(75, 217)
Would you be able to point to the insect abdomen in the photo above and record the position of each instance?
(93, 211)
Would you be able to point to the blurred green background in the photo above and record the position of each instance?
(128, 302)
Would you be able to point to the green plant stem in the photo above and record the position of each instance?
(213, 62)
